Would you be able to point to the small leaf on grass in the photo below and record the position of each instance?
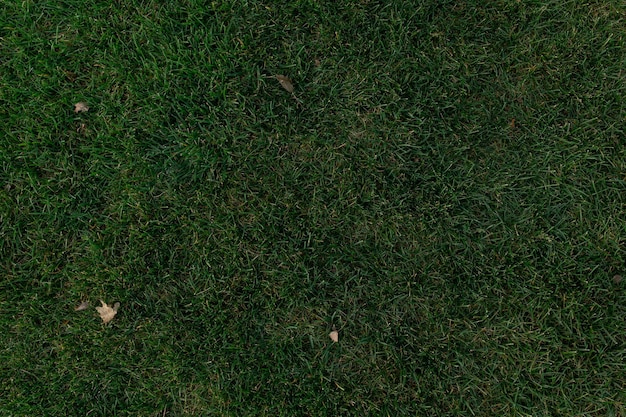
(334, 336)
(82, 306)
(617, 279)
(285, 82)
(107, 313)
(80, 107)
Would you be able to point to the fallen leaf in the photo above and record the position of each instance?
(617, 279)
(285, 82)
(80, 107)
(334, 336)
(107, 313)
(317, 62)
(82, 306)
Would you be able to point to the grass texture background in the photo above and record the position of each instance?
(446, 189)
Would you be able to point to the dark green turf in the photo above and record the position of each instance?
(446, 188)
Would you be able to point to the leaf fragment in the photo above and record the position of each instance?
(285, 82)
(81, 107)
(334, 336)
(106, 312)
(82, 306)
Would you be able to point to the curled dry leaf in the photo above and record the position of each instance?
(334, 336)
(285, 82)
(82, 306)
(80, 107)
(106, 312)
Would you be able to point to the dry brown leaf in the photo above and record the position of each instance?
(617, 279)
(106, 312)
(80, 107)
(334, 336)
(285, 82)
(82, 306)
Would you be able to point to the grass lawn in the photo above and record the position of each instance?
(445, 187)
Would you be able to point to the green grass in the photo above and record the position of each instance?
(447, 190)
